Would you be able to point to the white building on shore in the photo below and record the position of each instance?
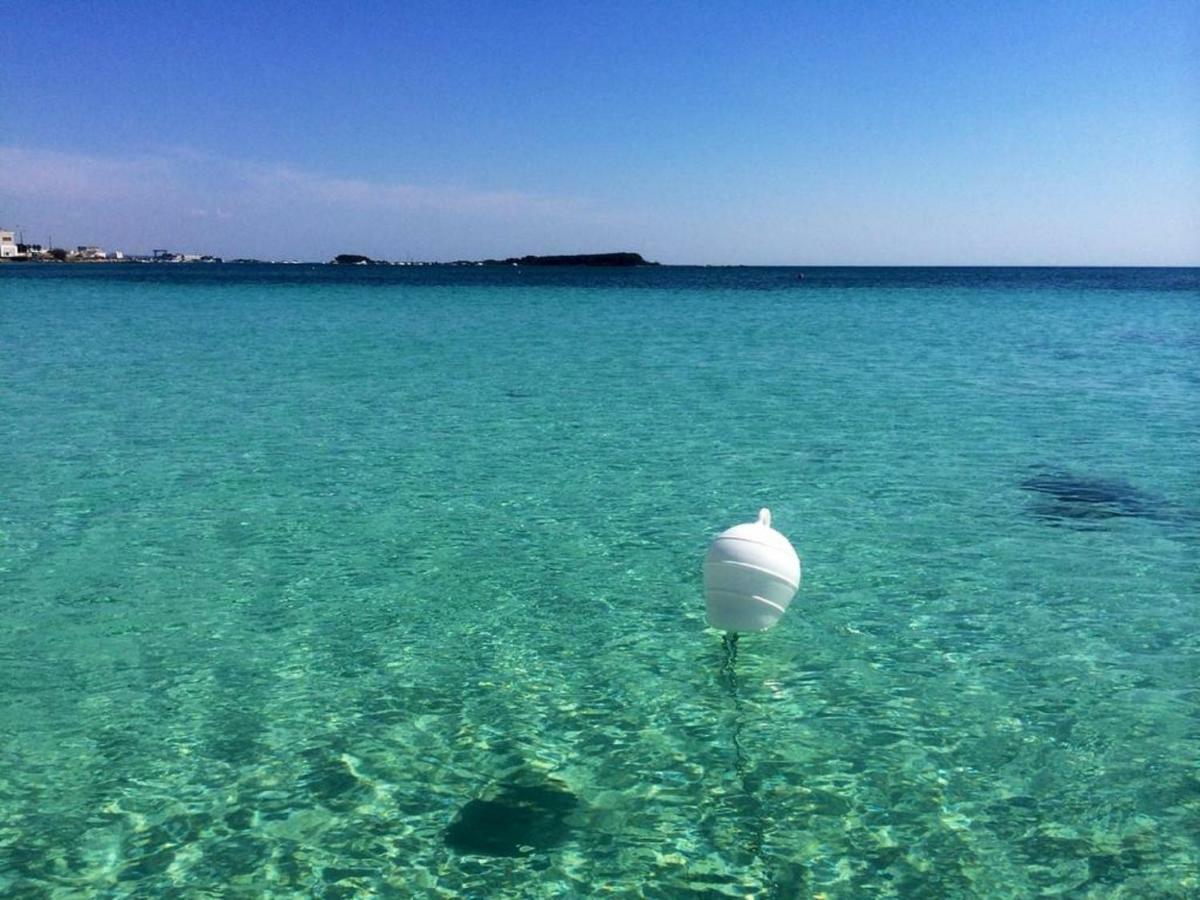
(8, 245)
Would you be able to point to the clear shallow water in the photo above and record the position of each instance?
(297, 563)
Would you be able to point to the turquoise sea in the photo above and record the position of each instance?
(334, 582)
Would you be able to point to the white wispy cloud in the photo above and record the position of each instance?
(49, 174)
(52, 175)
(185, 197)
(358, 192)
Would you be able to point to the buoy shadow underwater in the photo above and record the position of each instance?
(521, 815)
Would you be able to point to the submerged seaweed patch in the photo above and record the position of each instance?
(519, 819)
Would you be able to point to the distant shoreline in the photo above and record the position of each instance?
(622, 260)
(605, 260)
(20, 262)
(47, 257)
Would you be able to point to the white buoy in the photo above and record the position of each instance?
(751, 574)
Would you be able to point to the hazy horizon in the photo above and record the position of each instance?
(848, 135)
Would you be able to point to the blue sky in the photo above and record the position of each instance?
(757, 133)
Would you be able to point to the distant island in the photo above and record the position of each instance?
(578, 259)
(611, 260)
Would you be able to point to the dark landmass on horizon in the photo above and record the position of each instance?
(610, 260)
(578, 259)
